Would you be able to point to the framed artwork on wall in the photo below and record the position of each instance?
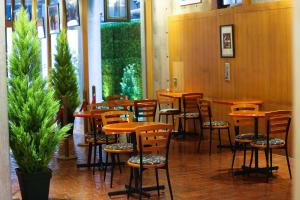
(227, 41)
(54, 19)
(72, 8)
(116, 10)
(40, 28)
(188, 2)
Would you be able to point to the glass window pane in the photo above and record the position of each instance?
(8, 14)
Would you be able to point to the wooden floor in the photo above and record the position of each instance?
(193, 176)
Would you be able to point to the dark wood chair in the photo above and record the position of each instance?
(277, 123)
(166, 106)
(116, 97)
(120, 147)
(207, 122)
(153, 152)
(243, 139)
(145, 110)
(190, 110)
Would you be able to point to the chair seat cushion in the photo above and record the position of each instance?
(247, 137)
(189, 115)
(169, 111)
(148, 159)
(216, 124)
(273, 142)
(120, 146)
(101, 138)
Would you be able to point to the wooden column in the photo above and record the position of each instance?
(63, 15)
(149, 53)
(5, 185)
(48, 36)
(85, 56)
(34, 9)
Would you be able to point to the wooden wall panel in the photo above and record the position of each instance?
(262, 67)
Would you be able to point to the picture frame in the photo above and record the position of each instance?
(227, 41)
(40, 25)
(116, 10)
(54, 18)
(188, 2)
(72, 9)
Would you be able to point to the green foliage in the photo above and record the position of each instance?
(120, 47)
(63, 76)
(32, 107)
(129, 84)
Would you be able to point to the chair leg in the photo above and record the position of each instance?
(194, 125)
(169, 182)
(95, 155)
(90, 154)
(229, 137)
(173, 120)
(159, 118)
(233, 157)
(267, 162)
(130, 182)
(112, 168)
(141, 183)
(288, 161)
(200, 138)
(220, 141)
(271, 158)
(100, 156)
(251, 158)
(245, 149)
(184, 126)
(167, 119)
(210, 140)
(119, 163)
(106, 163)
(157, 181)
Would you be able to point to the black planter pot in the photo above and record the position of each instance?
(34, 186)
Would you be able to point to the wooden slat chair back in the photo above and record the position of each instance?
(116, 97)
(242, 121)
(113, 117)
(164, 100)
(190, 102)
(204, 107)
(145, 109)
(154, 139)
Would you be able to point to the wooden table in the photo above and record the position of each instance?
(175, 95)
(255, 115)
(123, 128)
(235, 101)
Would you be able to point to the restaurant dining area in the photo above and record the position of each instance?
(149, 99)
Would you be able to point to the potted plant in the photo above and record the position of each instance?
(33, 133)
(63, 76)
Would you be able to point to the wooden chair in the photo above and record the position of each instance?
(165, 106)
(153, 146)
(145, 109)
(119, 147)
(277, 123)
(206, 122)
(116, 97)
(190, 110)
(243, 139)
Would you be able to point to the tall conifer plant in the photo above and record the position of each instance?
(63, 75)
(34, 135)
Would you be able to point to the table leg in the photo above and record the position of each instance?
(256, 136)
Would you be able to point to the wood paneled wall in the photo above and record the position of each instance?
(262, 67)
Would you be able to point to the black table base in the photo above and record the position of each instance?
(259, 170)
(135, 191)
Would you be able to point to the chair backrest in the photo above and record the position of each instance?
(145, 109)
(116, 97)
(243, 121)
(190, 102)
(161, 100)
(96, 122)
(204, 110)
(278, 122)
(113, 117)
(154, 139)
(97, 106)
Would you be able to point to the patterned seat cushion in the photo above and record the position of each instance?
(148, 159)
(273, 142)
(189, 115)
(102, 138)
(247, 137)
(120, 146)
(169, 111)
(216, 123)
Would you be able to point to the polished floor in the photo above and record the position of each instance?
(194, 176)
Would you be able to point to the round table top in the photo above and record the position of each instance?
(236, 101)
(126, 127)
(247, 113)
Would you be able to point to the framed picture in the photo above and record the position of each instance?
(40, 28)
(54, 20)
(188, 2)
(72, 8)
(227, 41)
(116, 10)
